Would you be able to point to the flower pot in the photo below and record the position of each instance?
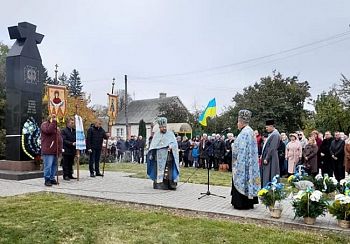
(275, 212)
(309, 220)
(344, 223)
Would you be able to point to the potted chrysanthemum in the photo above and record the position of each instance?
(330, 184)
(344, 186)
(300, 180)
(325, 184)
(309, 204)
(340, 209)
(272, 194)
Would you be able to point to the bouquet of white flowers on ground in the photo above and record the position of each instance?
(309, 203)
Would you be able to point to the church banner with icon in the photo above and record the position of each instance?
(112, 107)
(57, 101)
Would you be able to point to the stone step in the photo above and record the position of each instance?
(22, 175)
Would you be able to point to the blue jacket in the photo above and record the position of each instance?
(195, 152)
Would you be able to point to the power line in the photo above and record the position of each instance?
(249, 60)
(253, 65)
(153, 78)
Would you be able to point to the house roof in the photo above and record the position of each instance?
(147, 109)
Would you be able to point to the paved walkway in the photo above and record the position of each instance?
(120, 187)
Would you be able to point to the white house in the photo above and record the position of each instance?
(148, 110)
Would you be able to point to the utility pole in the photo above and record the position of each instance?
(126, 106)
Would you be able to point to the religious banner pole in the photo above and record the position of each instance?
(57, 106)
(112, 114)
(57, 153)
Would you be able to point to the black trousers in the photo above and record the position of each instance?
(217, 161)
(328, 166)
(141, 156)
(94, 163)
(185, 158)
(67, 165)
(339, 169)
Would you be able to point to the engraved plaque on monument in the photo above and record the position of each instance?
(23, 93)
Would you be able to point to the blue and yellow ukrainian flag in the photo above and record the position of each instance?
(210, 111)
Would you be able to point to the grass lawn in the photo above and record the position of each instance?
(53, 218)
(198, 176)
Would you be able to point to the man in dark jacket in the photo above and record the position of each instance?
(228, 152)
(185, 149)
(51, 148)
(94, 140)
(337, 154)
(282, 156)
(325, 153)
(203, 151)
(69, 151)
(140, 147)
(121, 148)
(219, 151)
(132, 149)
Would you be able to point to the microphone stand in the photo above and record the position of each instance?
(208, 193)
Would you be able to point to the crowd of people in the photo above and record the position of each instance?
(121, 150)
(325, 153)
(317, 152)
(253, 158)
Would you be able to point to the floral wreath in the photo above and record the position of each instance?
(31, 143)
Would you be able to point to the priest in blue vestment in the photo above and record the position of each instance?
(163, 158)
(245, 167)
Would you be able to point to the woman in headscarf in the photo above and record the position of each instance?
(293, 153)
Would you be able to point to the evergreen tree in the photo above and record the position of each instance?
(46, 79)
(344, 91)
(74, 84)
(142, 128)
(62, 79)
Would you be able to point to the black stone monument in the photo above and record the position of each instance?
(23, 86)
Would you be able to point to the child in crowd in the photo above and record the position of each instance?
(195, 155)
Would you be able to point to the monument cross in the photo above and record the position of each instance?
(23, 92)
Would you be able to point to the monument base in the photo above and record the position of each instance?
(18, 165)
(21, 170)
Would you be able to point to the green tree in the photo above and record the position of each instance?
(122, 100)
(46, 79)
(3, 53)
(75, 86)
(63, 79)
(277, 97)
(344, 90)
(142, 128)
(173, 111)
(100, 110)
(331, 113)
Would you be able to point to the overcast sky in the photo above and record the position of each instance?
(186, 47)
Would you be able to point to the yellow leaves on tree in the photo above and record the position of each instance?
(81, 107)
